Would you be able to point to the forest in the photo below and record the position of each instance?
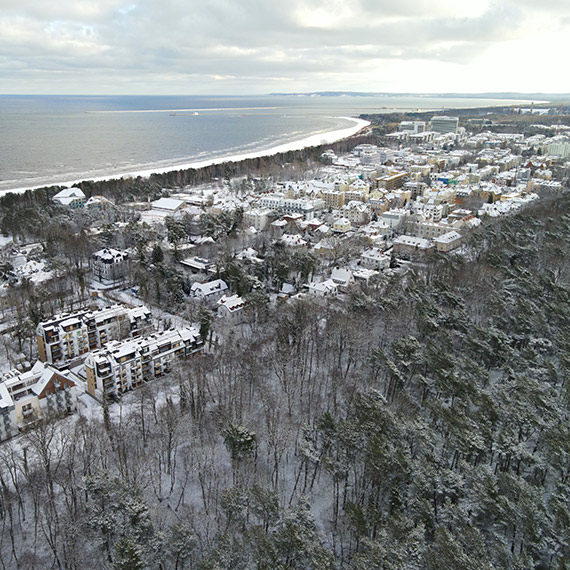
(420, 422)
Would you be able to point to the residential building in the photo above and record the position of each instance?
(342, 277)
(342, 225)
(231, 307)
(71, 197)
(110, 264)
(411, 245)
(199, 265)
(98, 203)
(293, 240)
(326, 288)
(442, 124)
(26, 397)
(256, 218)
(356, 212)
(392, 181)
(123, 365)
(561, 149)
(374, 258)
(395, 217)
(449, 241)
(333, 199)
(210, 291)
(412, 127)
(364, 275)
(67, 336)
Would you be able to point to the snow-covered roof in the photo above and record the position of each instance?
(233, 303)
(109, 255)
(293, 240)
(324, 287)
(72, 192)
(210, 288)
(341, 276)
(171, 204)
(412, 241)
(448, 237)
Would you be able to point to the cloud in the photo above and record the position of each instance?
(200, 46)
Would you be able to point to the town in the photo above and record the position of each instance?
(144, 284)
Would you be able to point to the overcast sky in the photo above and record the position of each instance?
(261, 46)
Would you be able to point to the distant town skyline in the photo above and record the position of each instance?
(255, 47)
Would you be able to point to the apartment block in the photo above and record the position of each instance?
(27, 397)
(68, 336)
(442, 124)
(122, 366)
(393, 181)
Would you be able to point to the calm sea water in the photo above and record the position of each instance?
(54, 139)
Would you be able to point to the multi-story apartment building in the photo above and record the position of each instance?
(333, 198)
(442, 124)
(68, 336)
(26, 397)
(110, 264)
(412, 126)
(304, 206)
(121, 366)
(257, 218)
(392, 181)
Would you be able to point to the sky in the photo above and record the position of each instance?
(237, 47)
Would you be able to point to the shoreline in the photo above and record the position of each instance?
(299, 144)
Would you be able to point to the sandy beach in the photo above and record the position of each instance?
(312, 140)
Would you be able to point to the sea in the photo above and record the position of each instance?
(46, 140)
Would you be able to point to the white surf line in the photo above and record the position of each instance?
(203, 110)
(311, 140)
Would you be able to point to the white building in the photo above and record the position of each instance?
(304, 206)
(121, 366)
(375, 258)
(70, 197)
(257, 218)
(342, 277)
(67, 336)
(412, 127)
(442, 124)
(170, 206)
(326, 288)
(231, 307)
(395, 217)
(26, 397)
(212, 290)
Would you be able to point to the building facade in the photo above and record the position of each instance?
(69, 336)
(110, 264)
(122, 366)
(443, 125)
(27, 397)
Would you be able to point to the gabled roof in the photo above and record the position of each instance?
(69, 193)
(212, 287)
(232, 304)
